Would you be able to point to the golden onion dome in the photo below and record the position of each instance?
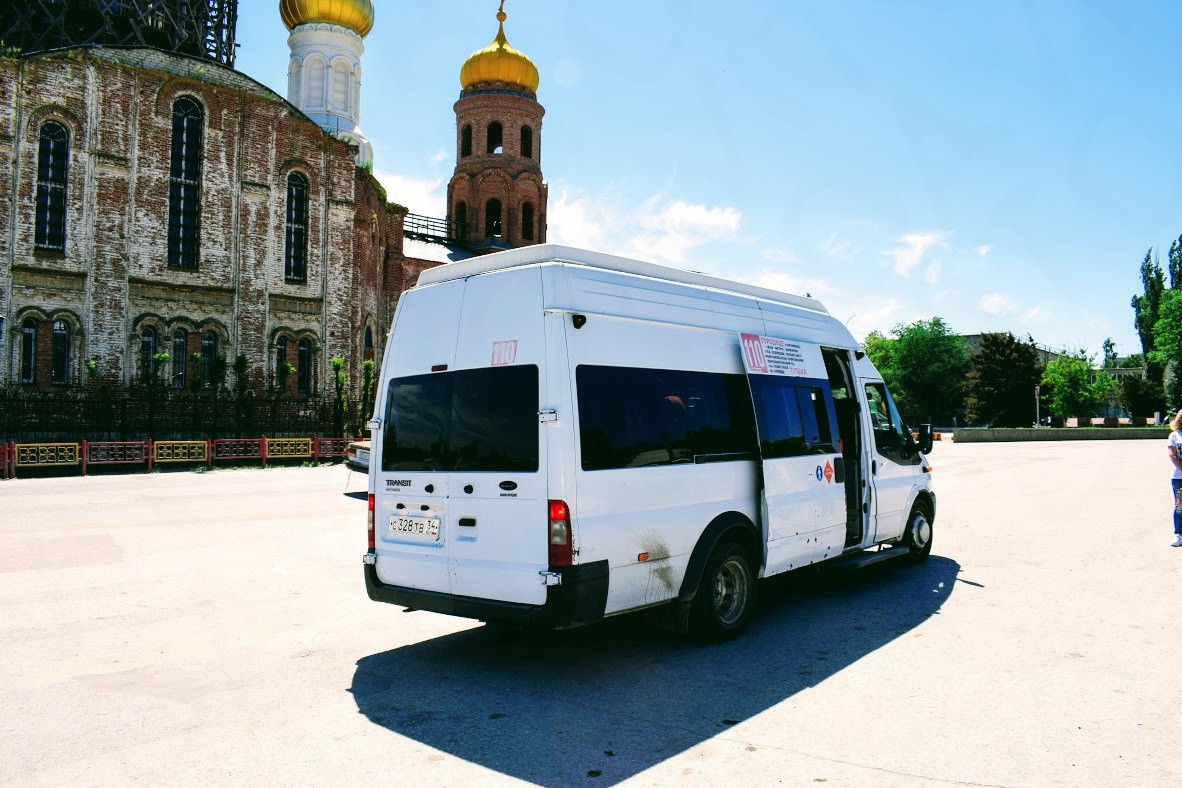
(356, 15)
(499, 62)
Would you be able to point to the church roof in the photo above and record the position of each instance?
(499, 62)
(433, 252)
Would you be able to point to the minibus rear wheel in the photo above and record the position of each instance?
(917, 538)
(725, 598)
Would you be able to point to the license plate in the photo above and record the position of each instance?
(363, 455)
(415, 526)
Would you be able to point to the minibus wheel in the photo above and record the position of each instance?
(917, 538)
(725, 598)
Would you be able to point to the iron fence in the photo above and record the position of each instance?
(32, 417)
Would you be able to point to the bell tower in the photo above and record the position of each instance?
(496, 198)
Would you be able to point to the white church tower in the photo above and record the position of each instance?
(324, 76)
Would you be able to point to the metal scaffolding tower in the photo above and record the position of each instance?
(202, 28)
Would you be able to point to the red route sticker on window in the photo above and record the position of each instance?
(504, 353)
(828, 472)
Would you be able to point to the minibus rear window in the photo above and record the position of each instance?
(468, 420)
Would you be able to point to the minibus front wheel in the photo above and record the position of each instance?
(725, 597)
(917, 538)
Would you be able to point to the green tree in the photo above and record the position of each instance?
(367, 389)
(1075, 388)
(1168, 341)
(924, 365)
(881, 350)
(1140, 396)
(1000, 390)
(1109, 353)
(340, 382)
(1146, 311)
(241, 380)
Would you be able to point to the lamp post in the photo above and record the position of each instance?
(1037, 414)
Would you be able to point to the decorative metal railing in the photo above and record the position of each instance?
(43, 454)
(15, 456)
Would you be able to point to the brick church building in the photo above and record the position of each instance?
(154, 200)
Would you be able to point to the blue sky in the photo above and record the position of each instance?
(1002, 165)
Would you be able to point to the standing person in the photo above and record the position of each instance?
(1174, 446)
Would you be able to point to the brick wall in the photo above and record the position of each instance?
(113, 278)
(510, 177)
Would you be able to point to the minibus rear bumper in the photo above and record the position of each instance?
(579, 599)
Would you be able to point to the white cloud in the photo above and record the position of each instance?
(1035, 313)
(779, 255)
(932, 275)
(669, 230)
(440, 157)
(996, 304)
(983, 250)
(426, 196)
(579, 221)
(658, 230)
(913, 247)
(786, 282)
(835, 247)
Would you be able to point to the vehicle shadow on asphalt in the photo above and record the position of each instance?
(614, 699)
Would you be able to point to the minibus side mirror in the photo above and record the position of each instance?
(925, 438)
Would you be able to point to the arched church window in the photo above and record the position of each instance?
(52, 162)
(462, 220)
(209, 351)
(147, 354)
(340, 86)
(293, 81)
(466, 141)
(527, 142)
(495, 133)
(492, 218)
(28, 361)
(280, 360)
(295, 266)
(304, 367)
(184, 194)
(316, 77)
(527, 222)
(180, 357)
(59, 372)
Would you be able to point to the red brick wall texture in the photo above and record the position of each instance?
(113, 279)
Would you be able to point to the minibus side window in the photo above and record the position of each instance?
(632, 418)
(781, 431)
(814, 412)
(794, 418)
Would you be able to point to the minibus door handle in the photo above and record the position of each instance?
(468, 522)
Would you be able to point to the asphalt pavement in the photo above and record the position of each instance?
(187, 628)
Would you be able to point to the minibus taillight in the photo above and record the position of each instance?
(560, 536)
(369, 519)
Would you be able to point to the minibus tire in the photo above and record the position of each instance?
(917, 537)
(725, 598)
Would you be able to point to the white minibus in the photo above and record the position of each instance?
(561, 436)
